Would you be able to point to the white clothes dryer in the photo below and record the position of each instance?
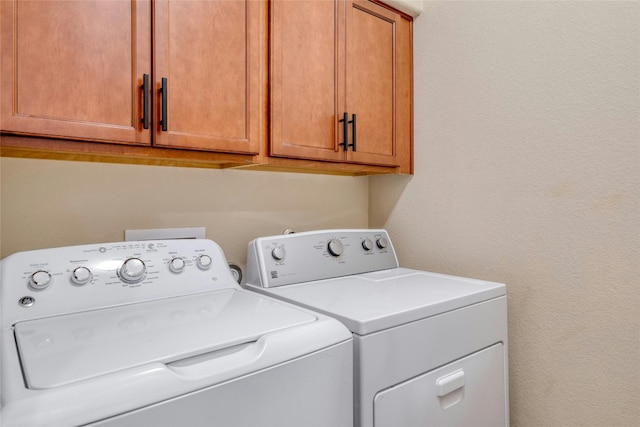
(429, 349)
(158, 333)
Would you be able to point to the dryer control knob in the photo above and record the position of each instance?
(81, 276)
(335, 247)
(40, 280)
(204, 262)
(367, 244)
(278, 253)
(382, 243)
(176, 265)
(133, 270)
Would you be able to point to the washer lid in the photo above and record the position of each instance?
(61, 350)
(371, 302)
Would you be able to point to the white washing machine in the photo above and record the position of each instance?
(158, 333)
(429, 349)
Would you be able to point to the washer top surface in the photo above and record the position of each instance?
(379, 300)
(65, 349)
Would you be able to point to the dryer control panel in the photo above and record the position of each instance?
(316, 255)
(56, 281)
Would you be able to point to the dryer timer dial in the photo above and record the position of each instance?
(335, 247)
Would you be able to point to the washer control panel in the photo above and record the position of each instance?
(64, 280)
(316, 255)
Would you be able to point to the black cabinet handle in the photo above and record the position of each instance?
(345, 131)
(145, 101)
(164, 89)
(353, 132)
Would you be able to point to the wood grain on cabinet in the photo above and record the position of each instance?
(306, 89)
(74, 69)
(209, 52)
(332, 57)
(379, 84)
(72, 74)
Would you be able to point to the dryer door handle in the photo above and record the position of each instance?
(450, 383)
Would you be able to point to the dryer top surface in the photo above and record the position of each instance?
(371, 302)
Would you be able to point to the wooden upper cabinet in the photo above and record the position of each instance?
(209, 54)
(74, 69)
(154, 76)
(306, 90)
(335, 57)
(379, 78)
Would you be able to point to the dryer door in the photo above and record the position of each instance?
(469, 391)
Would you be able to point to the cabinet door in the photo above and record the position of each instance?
(74, 69)
(379, 78)
(307, 91)
(209, 53)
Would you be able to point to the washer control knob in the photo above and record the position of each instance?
(133, 270)
(204, 262)
(278, 253)
(40, 280)
(81, 276)
(367, 244)
(176, 265)
(382, 243)
(335, 247)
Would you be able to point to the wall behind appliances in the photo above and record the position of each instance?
(527, 159)
(48, 203)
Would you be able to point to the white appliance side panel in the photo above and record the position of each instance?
(468, 392)
(315, 390)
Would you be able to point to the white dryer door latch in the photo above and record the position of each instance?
(450, 383)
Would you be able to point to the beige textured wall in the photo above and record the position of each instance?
(527, 134)
(49, 203)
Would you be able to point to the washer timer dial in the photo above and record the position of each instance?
(133, 270)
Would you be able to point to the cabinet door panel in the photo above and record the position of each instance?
(209, 52)
(306, 96)
(74, 69)
(371, 81)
